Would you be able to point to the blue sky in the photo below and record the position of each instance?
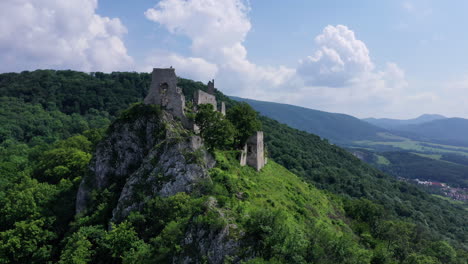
(365, 58)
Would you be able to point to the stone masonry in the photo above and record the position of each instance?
(201, 97)
(255, 151)
(210, 87)
(223, 108)
(164, 92)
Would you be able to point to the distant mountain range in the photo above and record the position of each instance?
(428, 128)
(451, 131)
(388, 123)
(344, 129)
(338, 128)
(429, 147)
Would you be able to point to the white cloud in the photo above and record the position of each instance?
(187, 67)
(217, 30)
(408, 6)
(60, 34)
(340, 60)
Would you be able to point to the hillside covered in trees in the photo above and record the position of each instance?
(346, 212)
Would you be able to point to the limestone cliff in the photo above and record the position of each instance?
(147, 152)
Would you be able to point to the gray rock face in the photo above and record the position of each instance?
(172, 168)
(152, 155)
(119, 155)
(214, 244)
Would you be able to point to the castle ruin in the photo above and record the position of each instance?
(255, 156)
(164, 92)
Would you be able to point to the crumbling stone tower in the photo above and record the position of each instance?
(255, 151)
(210, 87)
(201, 97)
(164, 92)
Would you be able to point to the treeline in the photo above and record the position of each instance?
(76, 92)
(52, 119)
(412, 166)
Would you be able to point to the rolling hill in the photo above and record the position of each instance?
(338, 128)
(389, 123)
(450, 131)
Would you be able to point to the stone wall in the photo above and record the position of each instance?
(211, 88)
(164, 92)
(223, 108)
(202, 97)
(243, 156)
(255, 151)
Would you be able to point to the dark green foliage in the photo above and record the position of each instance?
(27, 242)
(332, 168)
(76, 92)
(34, 215)
(139, 110)
(364, 216)
(217, 131)
(66, 161)
(412, 166)
(339, 128)
(33, 124)
(245, 120)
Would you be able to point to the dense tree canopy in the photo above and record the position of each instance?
(217, 131)
(50, 122)
(245, 120)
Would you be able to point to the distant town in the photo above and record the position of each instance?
(458, 194)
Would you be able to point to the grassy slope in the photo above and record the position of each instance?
(310, 219)
(332, 168)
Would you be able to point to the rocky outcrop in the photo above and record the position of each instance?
(148, 153)
(214, 244)
(174, 166)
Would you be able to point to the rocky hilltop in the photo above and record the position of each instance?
(148, 151)
(153, 154)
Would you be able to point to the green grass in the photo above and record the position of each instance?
(390, 136)
(381, 160)
(430, 156)
(463, 204)
(411, 145)
(291, 216)
(274, 187)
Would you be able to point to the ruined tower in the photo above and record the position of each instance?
(211, 88)
(201, 97)
(255, 151)
(164, 92)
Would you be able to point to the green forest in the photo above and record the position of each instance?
(313, 203)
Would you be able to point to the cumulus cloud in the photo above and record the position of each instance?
(60, 34)
(217, 30)
(340, 60)
(188, 67)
